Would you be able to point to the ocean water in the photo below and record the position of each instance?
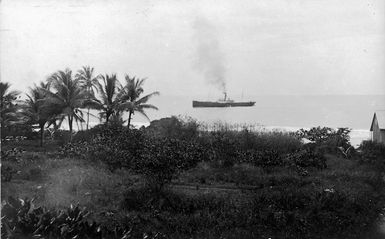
(278, 112)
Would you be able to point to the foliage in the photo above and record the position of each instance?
(115, 145)
(327, 138)
(12, 154)
(89, 82)
(161, 159)
(74, 150)
(174, 127)
(264, 159)
(342, 200)
(21, 219)
(9, 110)
(307, 211)
(7, 173)
(282, 142)
(17, 131)
(230, 147)
(299, 159)
(223, 148)
(118, 150)
(306, 158)
(67, 96)
(289, 209)
(131, 99)
(373, 152)
(34, 112)
(109, 100)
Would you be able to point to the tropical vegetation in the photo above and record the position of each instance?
(67, 96)
(8, 105)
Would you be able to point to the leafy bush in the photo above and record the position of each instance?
(223, 147)
(118, 150)
(75, 150)
(327, 138)
(7, 173)
(101, 130)
(114, 145)
(21, 219)
(306, 158)
(19, 130)
(117, 145)
(264, 159)
(282, 142)
(161, 159)
(174, 127)
(12, 154)
(373, 152)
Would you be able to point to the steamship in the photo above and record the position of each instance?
(225, 102)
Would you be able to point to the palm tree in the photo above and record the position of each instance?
(90, 82)
(108, 91)
(131, 99)
(68, 96)
(34, 112)
(8, 105)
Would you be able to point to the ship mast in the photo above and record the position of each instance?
(225, 95)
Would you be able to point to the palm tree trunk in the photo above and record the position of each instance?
(129, 119)
(88, 116)
(107, 117)
(70, 118)
(41, 134)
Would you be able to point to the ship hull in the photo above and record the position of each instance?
(197, 104)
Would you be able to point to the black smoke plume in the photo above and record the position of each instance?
(209, 57)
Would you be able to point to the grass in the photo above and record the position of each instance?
(57, 182)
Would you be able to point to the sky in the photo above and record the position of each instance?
(186, 47)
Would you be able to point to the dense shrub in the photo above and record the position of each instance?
(374, 153)
(114, 145)
(306, 158)
(118, 150)
(223, 147)
(264, 159)
(19, 130)
(79, 150)
(61, 136)
(7, 173)
(328, 139)
(174, 127)
(100, 130)
(117, 145)
(282, 142)
(244, 140)
(161, 159)
(12, 154)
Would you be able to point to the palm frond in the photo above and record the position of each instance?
(141, 111)
(144, 99)
(148, 106)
